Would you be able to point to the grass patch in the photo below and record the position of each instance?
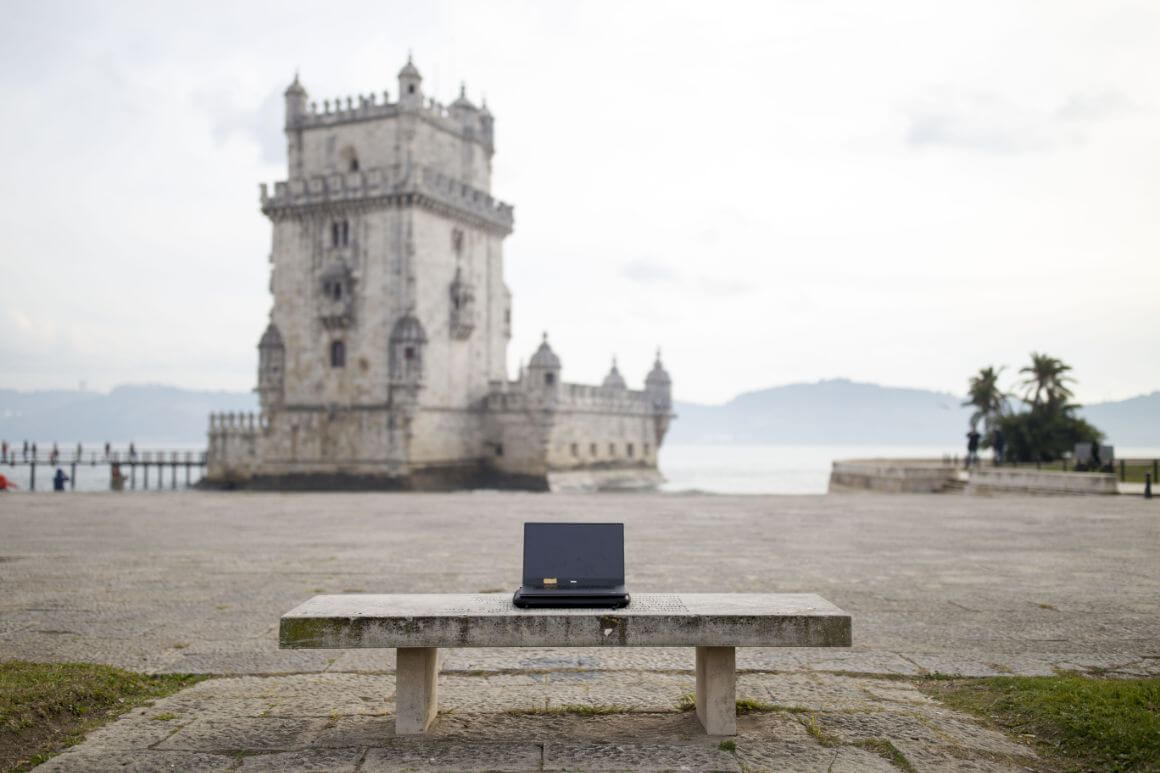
(164, 716)
(576, 709)
(688, 702)
(754, 706)
(727, 746)
(46, 707)
(888, 751)
(1079, 722)
(815, 729)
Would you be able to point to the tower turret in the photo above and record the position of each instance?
(614, 380)
(462, 107)
(295, 102)
(487, 126)
(410, 85)
(544, 370)
(659, 387)
(271, 367)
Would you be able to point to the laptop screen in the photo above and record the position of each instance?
(573, 555)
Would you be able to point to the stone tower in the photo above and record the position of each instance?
(387, 342)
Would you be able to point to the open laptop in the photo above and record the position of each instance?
(573, 565)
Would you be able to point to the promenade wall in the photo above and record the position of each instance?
(911, 476)
(1008, 481)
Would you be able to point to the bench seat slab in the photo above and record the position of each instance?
(349, 621)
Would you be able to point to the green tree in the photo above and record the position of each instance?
(1047, 380)
(1048, 428)
(984, 394)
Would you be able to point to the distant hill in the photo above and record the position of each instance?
(841, 412)
(149, 414)
(834, 412)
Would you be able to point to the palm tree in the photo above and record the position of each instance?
(984, 394)
(1046, 378)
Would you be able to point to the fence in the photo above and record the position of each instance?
(138, 463)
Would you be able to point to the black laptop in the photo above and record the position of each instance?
(573, 565)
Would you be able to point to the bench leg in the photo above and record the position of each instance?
(717, 690)
(416, 688)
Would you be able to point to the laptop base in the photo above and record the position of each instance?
(533, 598)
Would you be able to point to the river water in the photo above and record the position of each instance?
(718, 469)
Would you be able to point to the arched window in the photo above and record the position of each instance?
(337, 354)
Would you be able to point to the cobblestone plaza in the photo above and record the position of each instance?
(195, 582)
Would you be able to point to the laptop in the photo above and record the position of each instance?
(573, 565)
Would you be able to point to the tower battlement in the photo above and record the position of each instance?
(380, 185)
(367, 107)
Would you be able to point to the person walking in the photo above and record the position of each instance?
(25, 451)
(4, 455)
(107, 449)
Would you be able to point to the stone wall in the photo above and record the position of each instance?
(891, 475)
(1015, 481)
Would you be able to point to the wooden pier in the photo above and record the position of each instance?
(127, 470)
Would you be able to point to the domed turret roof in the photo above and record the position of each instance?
(272, 338)
(614, 380)
(295, 88)
(409, 70)
(408, 328)
(544, 357)
(462, 101)
(658, 376)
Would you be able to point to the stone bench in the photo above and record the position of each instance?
(417, 625)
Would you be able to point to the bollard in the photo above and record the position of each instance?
(1147, 485)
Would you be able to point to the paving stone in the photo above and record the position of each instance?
(808, 756)
(100, 760)
(428, 755)
(336, 760)
(244, 733)
(644, 757)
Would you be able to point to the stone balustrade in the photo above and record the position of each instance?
(381, 182)
(574, 397)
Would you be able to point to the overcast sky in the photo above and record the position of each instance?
(897, 192)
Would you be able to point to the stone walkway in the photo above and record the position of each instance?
(195, 582)
(343, 722)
